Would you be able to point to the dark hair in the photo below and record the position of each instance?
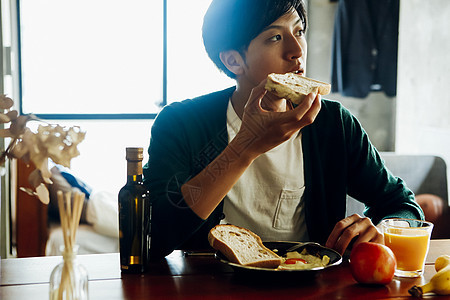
(233, 24)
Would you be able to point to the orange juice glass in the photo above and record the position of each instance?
(409, 240)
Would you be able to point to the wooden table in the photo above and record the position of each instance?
(200, 277)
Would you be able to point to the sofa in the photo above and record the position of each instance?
(37, 228)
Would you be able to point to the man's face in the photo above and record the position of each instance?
(280, 48)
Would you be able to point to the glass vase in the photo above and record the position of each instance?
(69, 279)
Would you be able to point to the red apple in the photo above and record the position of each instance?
(372, 263)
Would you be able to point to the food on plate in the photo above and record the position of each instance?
(439, 283)
(372, 263)
(303, 261)
(242, 246)
(295, 87)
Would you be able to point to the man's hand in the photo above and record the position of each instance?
(264, 129)
(353, 227)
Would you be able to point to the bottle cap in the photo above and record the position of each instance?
(134, 153)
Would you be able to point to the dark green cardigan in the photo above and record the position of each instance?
(338, 160)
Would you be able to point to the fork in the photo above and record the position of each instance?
(298, 246)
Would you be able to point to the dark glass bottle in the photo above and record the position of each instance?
(134, 216)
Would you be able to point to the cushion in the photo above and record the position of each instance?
(61, 184)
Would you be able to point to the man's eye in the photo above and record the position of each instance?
(301, 33)
(276, 37)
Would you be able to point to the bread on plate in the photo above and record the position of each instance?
(295, 87)
(242, 246)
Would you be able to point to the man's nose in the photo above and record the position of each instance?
(294, 48)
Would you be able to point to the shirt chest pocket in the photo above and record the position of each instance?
(289, 209)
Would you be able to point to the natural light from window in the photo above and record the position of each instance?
(89, 56)
(103, 56)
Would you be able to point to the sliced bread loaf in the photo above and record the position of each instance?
(242, 246)
(295, 87)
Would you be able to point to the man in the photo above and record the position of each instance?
(244, 156)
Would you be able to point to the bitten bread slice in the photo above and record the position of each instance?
(295, 87)
(242, 246)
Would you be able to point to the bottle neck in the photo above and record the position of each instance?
(69, 254)
(134, 171)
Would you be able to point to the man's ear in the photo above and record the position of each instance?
(233, 61)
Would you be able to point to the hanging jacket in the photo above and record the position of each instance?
(365, 45)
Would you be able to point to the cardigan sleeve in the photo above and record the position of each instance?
(186, 136)
(164, 174)
(340, 160)
(371, 182)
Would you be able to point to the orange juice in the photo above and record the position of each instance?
(410, 247)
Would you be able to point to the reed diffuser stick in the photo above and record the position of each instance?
(70, 214)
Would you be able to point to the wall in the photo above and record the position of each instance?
(416, 121)
(376, 112)
(423, 126)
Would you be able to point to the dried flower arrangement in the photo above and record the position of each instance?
(49, 142)
(60, 145)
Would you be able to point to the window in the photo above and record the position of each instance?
(108, 66)
(91, 57)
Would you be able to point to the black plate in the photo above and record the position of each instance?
(281, 247)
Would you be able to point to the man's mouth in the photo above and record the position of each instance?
(298, 72)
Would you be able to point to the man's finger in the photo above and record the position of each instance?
(339, 229)
(256, 94)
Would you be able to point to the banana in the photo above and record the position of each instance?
(441, 262)
(439, 283)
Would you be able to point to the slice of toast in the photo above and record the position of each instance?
(295, 87)
(242, 246)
